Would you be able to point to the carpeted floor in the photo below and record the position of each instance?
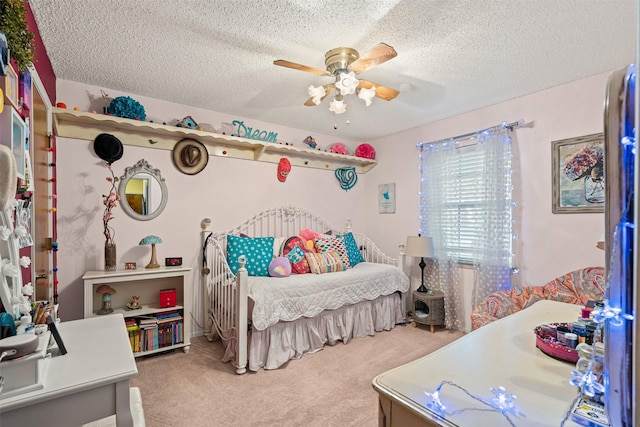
(331, 387)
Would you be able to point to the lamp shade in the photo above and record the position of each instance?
(419, 246)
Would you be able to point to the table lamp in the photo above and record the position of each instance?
(420, 246)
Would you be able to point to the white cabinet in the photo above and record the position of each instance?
(13, 134)
(145, 284)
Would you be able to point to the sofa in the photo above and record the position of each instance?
(576, 287)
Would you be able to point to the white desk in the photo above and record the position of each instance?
(502, 353)
(90, 382)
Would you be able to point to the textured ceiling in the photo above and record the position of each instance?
(453, 56)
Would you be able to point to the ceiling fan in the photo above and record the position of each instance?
(344, 63)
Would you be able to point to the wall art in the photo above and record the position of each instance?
(387, 198)
(578, 174)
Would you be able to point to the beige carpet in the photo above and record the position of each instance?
(329, 388)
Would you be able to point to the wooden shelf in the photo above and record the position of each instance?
(144, 311)
(86, 126)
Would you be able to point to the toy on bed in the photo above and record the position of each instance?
(340, 286)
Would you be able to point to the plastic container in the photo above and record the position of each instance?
(571, 339)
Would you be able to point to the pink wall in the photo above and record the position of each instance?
(549, 244)
(228, 191)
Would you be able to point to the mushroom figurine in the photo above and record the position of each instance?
(152, 240)
(106, 292)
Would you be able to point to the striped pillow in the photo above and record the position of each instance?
(325, 262)
(334, 245)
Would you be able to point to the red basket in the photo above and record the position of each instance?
(553, 348)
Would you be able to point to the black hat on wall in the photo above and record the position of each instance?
(108, 147)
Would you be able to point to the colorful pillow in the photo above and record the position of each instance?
(280, 267)
(355, 257)
(333, 245)
(258, 250)
(325, 262)
(293, 248)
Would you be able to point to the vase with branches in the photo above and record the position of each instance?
(110, 201)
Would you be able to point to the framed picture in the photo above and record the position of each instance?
(578, 174)
(11, 86)
(387, 198)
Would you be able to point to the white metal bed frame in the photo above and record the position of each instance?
(226, 302)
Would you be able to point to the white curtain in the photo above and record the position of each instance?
(435, 191)
(492, 261)
(465, 206)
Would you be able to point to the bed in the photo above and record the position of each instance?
(266, 321)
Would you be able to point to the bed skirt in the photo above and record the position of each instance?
(276, 345)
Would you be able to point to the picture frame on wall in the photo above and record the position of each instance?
(578, 174)
(11, 88)
(387, 198)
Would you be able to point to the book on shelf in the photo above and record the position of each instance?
(168, 314)
(145, 321)
(155, 335)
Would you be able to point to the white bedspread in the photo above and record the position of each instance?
(306, 295)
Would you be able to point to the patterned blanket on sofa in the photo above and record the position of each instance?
(576, 287)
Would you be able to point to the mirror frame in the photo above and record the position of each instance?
(129, 172)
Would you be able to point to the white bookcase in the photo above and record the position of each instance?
(146, 284)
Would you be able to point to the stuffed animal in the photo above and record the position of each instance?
(307, 235)
(280, 267)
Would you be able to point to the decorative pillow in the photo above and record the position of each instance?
(277, 245)
(258, 250)
(355, 257)
(334, 245)
(280, 267)
(293, 248)
(325, 262)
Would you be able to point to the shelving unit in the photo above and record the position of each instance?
(86, 126)
(146, 284)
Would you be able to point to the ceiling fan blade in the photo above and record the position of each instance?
(329, 88)
(382, 92)
(300, 67)
(381, 53)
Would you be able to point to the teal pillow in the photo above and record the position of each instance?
(353, 253)
(258, 250)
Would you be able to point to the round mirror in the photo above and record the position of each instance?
(143, 192)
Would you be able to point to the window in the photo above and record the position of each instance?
(466, 200)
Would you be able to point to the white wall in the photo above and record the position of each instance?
(549, 244)
(228, 191)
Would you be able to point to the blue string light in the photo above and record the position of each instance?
(501, 402)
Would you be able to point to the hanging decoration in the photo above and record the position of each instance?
(347, 177)
(284, 167)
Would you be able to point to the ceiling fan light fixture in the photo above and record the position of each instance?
(337, 105)
(317, 93)
(367, 94)
(347, 83)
